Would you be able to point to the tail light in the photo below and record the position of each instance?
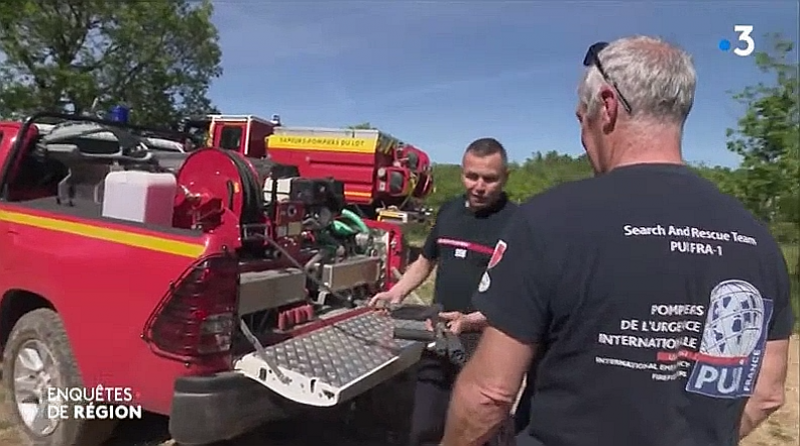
(196, 318)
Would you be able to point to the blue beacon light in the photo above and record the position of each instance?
(119, 113)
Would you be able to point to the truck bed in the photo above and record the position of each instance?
(89, 210)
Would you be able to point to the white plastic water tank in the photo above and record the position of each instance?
(140, 196)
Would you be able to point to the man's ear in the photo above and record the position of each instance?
(609, 109)
(506, 174)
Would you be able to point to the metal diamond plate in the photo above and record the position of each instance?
(343, 352)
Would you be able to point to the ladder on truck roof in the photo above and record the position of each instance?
(340, 359)
(152, 142)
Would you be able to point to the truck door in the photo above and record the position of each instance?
(257, 140)
(230, 135)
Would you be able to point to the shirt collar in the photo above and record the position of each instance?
(497, 206)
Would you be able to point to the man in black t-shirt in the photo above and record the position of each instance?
(459, 246)
(658, 306)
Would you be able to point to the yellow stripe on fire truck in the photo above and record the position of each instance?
(153, 243)
(321, 143)
(358, 194)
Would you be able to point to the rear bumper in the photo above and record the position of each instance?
(207, 409)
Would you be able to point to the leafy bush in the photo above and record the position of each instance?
(786, 233)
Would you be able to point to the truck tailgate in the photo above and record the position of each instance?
(335, 362)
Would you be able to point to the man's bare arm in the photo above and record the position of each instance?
(486, 389)
(415, 274)
(769, 392)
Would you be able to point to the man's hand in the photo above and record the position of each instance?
(454, 321)
(458, 322)
(392, 296)
(416, 273)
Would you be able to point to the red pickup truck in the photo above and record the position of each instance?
(125, 263)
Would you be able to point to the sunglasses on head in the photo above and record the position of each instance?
(593, 59)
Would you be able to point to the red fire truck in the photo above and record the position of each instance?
(384, 178)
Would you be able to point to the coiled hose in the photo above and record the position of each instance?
(354, 226)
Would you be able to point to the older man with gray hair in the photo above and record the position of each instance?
(656, 306)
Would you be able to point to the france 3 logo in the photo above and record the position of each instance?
(744, 33)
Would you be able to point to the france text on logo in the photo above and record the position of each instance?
(732, 345)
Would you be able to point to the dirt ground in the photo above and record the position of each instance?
(781, 429)
(337, 428)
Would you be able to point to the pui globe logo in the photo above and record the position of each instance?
(733, 341)
(735, 320)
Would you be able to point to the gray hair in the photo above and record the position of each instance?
(657, 79)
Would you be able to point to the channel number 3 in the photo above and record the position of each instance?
(744, 36)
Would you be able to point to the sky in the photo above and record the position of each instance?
(440, 74)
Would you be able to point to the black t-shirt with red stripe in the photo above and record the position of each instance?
(461, 242)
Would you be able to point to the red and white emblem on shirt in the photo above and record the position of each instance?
(497, 255)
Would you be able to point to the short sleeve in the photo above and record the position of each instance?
(430, 250)
(512, 294)
(782, 323)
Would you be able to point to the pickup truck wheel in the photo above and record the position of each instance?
(37, 357)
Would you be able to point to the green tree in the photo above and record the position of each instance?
(768, 135)
(727, 180)
(768, 139)
(536, 174)
(157, 57)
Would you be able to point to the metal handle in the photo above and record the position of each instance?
(414, 334)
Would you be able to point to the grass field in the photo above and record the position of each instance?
(791, 255)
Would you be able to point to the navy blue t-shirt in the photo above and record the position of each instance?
(654, 295)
